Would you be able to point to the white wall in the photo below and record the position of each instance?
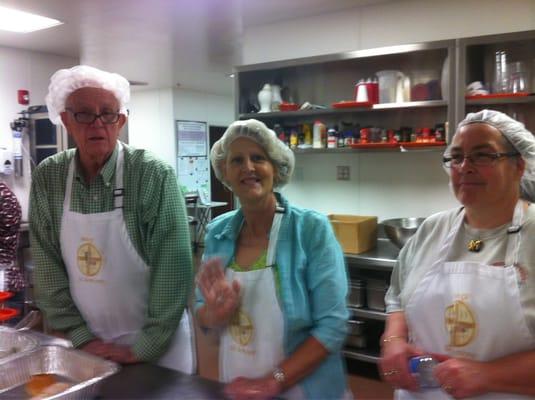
(21, 69)
(153, 114)
(382, 184)
(151, 123)
(385, 24)
(198, 106)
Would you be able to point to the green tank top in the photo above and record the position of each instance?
(260, 263)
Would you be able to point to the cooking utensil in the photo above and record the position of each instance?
(400, 230)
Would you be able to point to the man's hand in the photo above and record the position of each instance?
(110, 351)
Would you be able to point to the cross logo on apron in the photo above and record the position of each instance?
(460, 324)
(89, 259)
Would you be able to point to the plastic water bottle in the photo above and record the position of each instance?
(422, 368)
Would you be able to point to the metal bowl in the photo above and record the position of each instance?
(400, 230)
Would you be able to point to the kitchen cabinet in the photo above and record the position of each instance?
(325, 80)
(477, 62)
(373, 265)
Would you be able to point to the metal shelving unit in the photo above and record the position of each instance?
(365, 355)
(368, 314)
(379, 260)
(329, 79)
(476, 58)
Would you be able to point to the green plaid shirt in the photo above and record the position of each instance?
(155, 216)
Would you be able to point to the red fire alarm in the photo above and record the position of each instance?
(23, 97)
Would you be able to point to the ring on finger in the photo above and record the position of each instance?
(390, 372)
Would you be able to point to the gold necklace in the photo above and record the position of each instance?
(475, 245)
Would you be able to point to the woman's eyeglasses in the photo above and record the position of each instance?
(479, 159)
(88, 118)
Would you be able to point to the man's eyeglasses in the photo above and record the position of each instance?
(88, 118)
(479, 159)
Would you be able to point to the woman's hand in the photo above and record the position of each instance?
(461, 377)
(394, 363)
(253, 389)
(221, 297)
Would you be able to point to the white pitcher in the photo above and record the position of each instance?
(264, 98)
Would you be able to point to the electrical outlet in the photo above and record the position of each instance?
(342, 172)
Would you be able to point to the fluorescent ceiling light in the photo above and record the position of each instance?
(23, 22)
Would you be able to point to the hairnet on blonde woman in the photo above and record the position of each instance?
(280, 155)
(66, 81)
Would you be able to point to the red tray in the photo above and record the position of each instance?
(496, 95)
(8, 313)
(5, 295)
(374, 145)
(352, 104)
(288, 107)
(421, 144)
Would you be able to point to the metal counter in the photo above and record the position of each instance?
(382, 257)
(147, 381)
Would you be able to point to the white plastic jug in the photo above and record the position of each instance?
(394, 86)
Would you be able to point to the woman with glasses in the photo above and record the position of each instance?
(463, 288)
(109, 232)
(273, 281)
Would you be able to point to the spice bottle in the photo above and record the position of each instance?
(319, 135)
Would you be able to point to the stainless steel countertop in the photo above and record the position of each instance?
(383, 256)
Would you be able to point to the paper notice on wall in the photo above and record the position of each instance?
(192, 138)
(194, 173)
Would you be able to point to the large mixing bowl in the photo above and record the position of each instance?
(400, 230)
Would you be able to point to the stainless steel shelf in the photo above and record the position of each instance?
(336, 111)
(366, 355)
(501, 100)
(382, 258)
(367, 313)
(348, 150)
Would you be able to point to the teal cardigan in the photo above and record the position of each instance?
(313, 287)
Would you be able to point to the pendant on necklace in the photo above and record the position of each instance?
(475, 245)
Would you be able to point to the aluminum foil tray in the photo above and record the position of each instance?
(14, 344)
(84, 371)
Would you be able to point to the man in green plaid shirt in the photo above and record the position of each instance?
(109, 232)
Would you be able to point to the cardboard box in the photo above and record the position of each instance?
(355, 233)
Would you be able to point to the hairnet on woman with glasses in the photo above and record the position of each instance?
(463, 287)
(517, 136)
(273, 278)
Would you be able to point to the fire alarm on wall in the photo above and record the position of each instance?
(23, 97)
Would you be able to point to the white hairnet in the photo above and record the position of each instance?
(281, 156)
(516, 133)
(66, 81)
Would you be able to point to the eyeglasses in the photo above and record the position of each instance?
(88, 118)
(479, 159)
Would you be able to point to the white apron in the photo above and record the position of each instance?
(253, 343)
(109, 281)
(469, 309)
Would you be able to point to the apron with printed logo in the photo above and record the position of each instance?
(109, 281)
(252, 345)
(470, 309)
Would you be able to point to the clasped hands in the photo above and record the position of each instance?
(221, 297)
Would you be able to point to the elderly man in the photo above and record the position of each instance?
(109, 232)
